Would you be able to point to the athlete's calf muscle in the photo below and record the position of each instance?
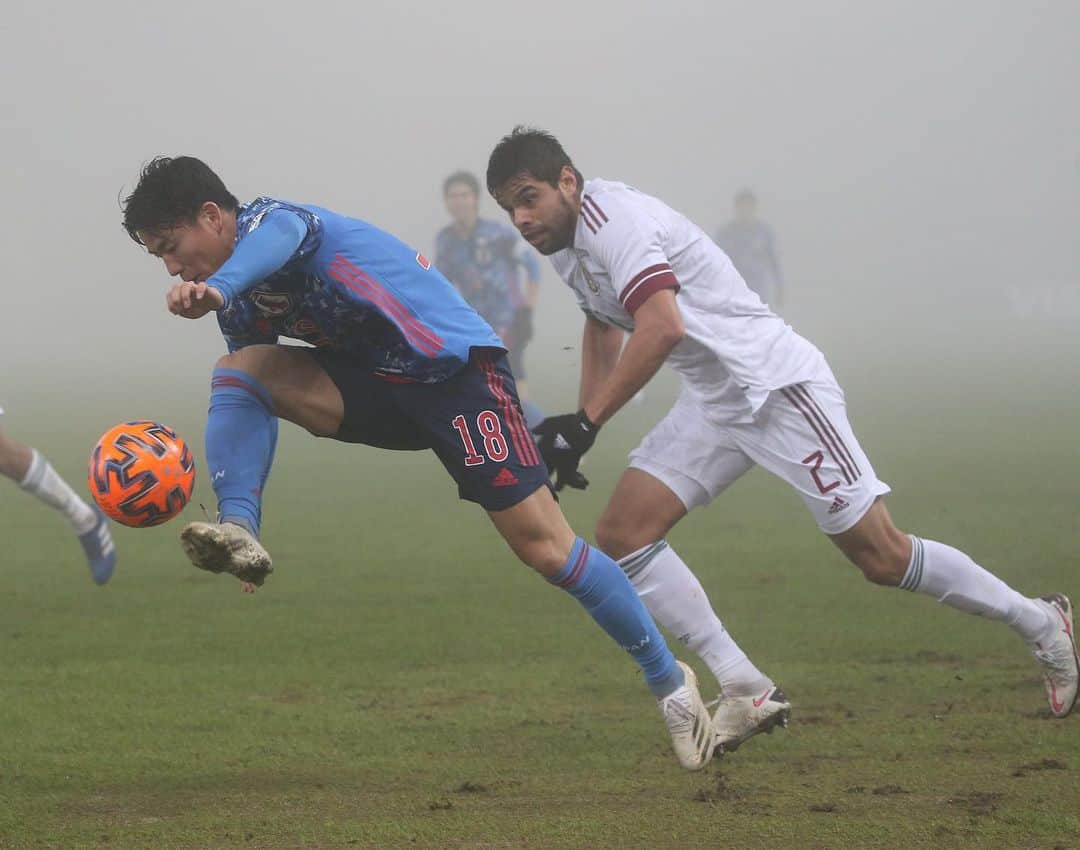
(537, 531)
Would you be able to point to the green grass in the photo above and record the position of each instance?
(402, 682)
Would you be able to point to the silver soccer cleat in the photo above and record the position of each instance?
(687, 720)
(226, 548)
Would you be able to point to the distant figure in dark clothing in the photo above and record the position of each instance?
(752, 247)
(491, 266)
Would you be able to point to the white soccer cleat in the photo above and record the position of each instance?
(1058, 657)
(687, 720)
(737, 719)
(226, 548)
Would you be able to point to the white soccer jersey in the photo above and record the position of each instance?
(628, 245)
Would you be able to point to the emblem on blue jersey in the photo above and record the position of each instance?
(272, 303)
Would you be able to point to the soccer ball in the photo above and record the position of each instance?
(141, 473)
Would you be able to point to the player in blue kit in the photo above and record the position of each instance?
(399, 361)
(493, 269)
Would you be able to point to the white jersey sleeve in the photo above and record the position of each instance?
(630, 246)
(735, 351)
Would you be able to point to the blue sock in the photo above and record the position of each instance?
(241, 435)
(598, 583)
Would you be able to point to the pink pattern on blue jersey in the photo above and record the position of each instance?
(357, 289)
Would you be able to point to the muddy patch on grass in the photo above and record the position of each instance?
(718, 792)
(977, 803)
(469, 787)
(824, 808)
(1045, 764)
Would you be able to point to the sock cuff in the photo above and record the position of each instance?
(35, 472)
(574, 567)
(224, 380)
(636, 562)
(913, 577)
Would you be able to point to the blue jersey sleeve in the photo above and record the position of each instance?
(260, 252)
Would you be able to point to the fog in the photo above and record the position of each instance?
(919, 162)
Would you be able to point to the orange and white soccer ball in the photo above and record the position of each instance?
(141, 473)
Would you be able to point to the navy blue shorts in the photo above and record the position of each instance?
(472, 421)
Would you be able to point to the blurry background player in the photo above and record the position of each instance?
(751, 245)
(495, 272)
(34, 474)
(753, 393)
(399, 361)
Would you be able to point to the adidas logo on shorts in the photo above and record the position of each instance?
(838, 505)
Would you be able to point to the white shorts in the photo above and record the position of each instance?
(800, 434)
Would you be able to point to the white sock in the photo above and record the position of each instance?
(952, 577)
(41, 480)
(677, 601)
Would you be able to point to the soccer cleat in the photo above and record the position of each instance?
(687, 720)
(100, 550)
(1057, 655)
(226, 548)
(737, 719)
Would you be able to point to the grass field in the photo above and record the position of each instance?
(402, 682)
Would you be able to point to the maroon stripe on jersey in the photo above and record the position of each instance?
(357, 281)
(524, 446)
(590, 219)
(595, 207)
(646, 283)
(806, 394)
(826, 441)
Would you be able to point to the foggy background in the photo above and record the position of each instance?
(919, 162)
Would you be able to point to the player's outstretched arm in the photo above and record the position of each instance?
(600, 347)
(260, 253)
(658, 328)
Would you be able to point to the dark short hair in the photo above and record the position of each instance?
(172, 190)
(528, 150)
(465, 178)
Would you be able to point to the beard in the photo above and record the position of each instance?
(560, 234)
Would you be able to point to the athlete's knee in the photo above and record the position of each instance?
(539, 548)
(251, 360)
(544, 556)
(617, 535)
(610, 536)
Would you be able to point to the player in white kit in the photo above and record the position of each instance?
(34, 474)
(753, 392)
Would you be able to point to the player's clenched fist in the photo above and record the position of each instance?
(193, 300)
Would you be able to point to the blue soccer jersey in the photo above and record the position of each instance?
(486, 267)
(310, 274)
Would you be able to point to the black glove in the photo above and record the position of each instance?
(562, 441)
